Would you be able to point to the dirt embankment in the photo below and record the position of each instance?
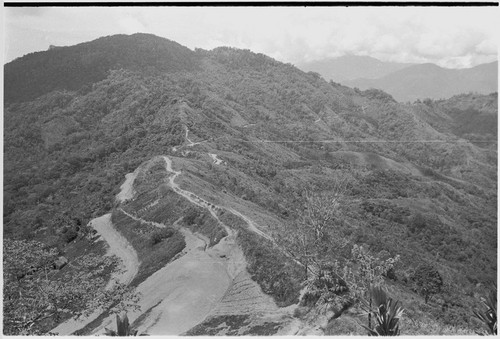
(129, 267)
(127, 188)
(181, 294)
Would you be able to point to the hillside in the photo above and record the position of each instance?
(431, 81)
(350, 67)
(223, 158)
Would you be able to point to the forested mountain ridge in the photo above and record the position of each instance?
(416, 181)
(73, 67)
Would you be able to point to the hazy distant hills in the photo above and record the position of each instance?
(407, 82)
(349, 67)
(431, 81)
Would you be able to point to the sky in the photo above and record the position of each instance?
(453, 37)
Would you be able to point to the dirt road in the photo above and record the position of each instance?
(118, 246)
(181, 294)
(127, 188)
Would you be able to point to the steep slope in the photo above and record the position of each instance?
(431, 81)
(413, 186)
(350, 67)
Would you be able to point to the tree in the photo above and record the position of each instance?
(427, 281)
(368, 269)
(316, 232)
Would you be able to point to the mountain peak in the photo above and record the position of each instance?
(70, 68)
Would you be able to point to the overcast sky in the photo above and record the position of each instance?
(450, 37)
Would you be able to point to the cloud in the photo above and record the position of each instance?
(458, 36)
(26, 11)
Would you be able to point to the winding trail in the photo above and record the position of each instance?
(251, 225)
(193, 198)
(190, 143)
(184, 292)
(119, 246)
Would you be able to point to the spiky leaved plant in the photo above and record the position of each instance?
(386, 313)
(123, 328)
(489, 316)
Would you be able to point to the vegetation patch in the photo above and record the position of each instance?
(276, 274)
(155, 247)
(199, 220)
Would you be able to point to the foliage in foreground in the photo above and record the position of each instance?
(123, 328)
(386, 312)
(489, 316)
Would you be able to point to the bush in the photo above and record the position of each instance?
(191, 216)
(161, 234)
(276, 274)
(417, 223)
(70, 235)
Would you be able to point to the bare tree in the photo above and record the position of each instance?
(316, 230)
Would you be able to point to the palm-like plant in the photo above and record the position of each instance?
(489, 316)
(386, 313)
(123, 328)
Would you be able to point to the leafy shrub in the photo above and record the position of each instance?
(160, 235)
(191, 215)
(489, 316)
(70, 235)
(386, 312)
(326, 284)
(417, 223)
(123, 328)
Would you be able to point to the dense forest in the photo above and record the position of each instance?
(409, 187)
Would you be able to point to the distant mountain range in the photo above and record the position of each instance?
(407, 82)
(350, 67)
